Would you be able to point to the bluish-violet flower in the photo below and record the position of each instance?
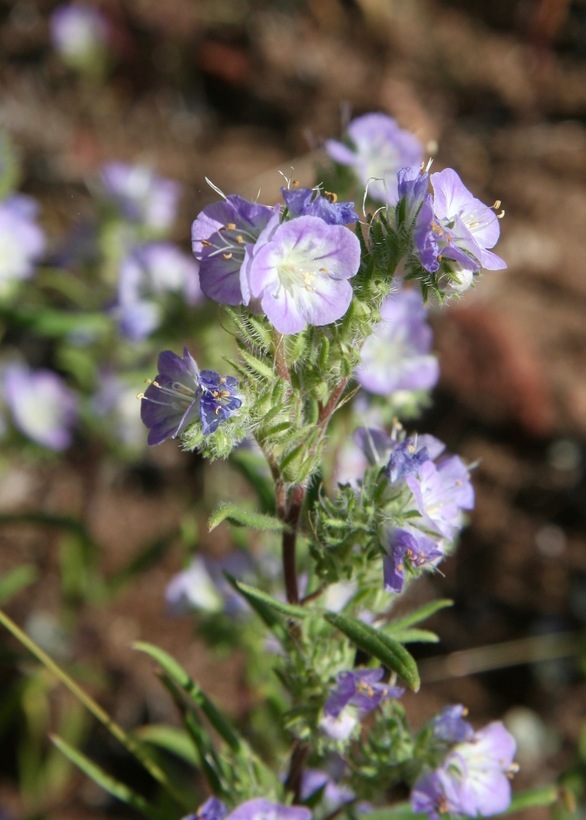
(338, 728)
(310, 202)
(450, 727)
(406, 458)
(360, 688)
(397, 354)
(42, 406)
(180, 394)
(21, 240)
(203, 586)
(142, 196)
(441, 491)
(220, 235)
(473, 780)
(147, 274)
(261, 809)
(452, 231)
(79, 33)
(171, 402)
(408, 548)
(333, 795)
(380, 149)
(114, 404)
(299, 272)
(212, 809)
(219, 399)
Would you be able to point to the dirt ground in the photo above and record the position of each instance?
(238, 91)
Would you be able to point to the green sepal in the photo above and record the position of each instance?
(243, 518)
(257, 366)
(114, 787)
(376, 643)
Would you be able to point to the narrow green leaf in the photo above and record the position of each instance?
(390, 652)
(532, 798)
(412, 635)
(15, 580)
(170, 738)
(425, 611)
(179, 676)
(243, 518)
(266, 613)
(289, 610)
(107, 782)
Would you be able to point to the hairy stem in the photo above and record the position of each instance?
(288, 509)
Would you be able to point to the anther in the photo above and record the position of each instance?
(331, 196)
(140, 395)
(230, 226)
(227, 255)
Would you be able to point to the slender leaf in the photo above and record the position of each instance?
(178, 675)
(265, 612)
(107, 782)
(425, 611)
(412, 635)
(289, 610)
(243, 518)
(390, 652)
(171, 739)
(15, 580)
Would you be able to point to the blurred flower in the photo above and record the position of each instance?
(42, 407)
(21, 240)
(212, 809)
(79, 34)
(141, 195)
(360, 688)
(333, 796)
(147, 274)
(450, 727)
(299, 271)
(310, 202)
(397, 354)
(338, 728)
(203, 586)
(261, 809)
(114, 404)
(473, 780)
(379, 149)
(220, 235)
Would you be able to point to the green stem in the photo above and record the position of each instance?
(135, 748)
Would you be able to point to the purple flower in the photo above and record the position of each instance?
(299, 271)
(261, 809)
(171, 401)
(310, 202)
(220, 236)
(380, 149)
(21, 240)
(406, 458)
(147, 274)
(42, 407)
(212, 809)
(141, 195)
(180, 394)
(473, 780)
(408, 548)
(79, 34)
(203, 586)
(450, 727)
(333, 796)
(219, 399)
(397, 354)
(442, 490)
(452, 231)
(360, 688)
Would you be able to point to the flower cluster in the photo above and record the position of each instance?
(182, 394)
(434, 489)
(293, 264)
(474, 778)
(357, 691)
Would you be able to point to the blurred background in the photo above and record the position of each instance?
(93, 525)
